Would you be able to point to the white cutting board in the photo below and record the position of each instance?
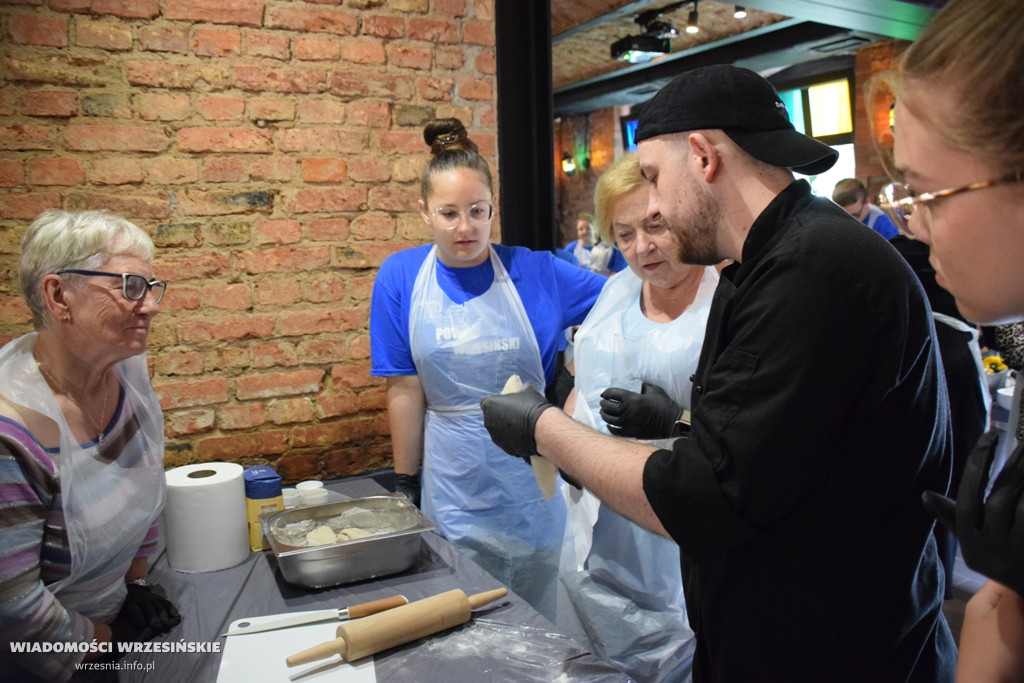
(260, 656)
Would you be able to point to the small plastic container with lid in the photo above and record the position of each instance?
(291, 497)
(312, 492)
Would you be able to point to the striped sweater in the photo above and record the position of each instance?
(34, 548)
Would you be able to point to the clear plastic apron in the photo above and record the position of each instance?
(483, 500)
(622, 584)
(102, 544)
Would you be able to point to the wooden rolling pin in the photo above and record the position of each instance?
(397, 626)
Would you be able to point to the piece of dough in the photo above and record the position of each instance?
(352, 533)
(322, 535)
(544, 471)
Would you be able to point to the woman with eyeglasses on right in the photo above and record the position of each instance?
(959, 146)
(450, 322)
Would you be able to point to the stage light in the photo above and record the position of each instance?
(639, 49)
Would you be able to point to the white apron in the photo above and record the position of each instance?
(101, 547)
(582, 255)
(482, 499)
(621, 584)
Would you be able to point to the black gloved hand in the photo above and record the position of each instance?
(559, 390)
(511, 420)
(991, 532)
(651, 414)
(409, 486)
(143, 616)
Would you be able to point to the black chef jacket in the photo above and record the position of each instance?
(819, 417)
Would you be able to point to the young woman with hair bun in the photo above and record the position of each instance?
(450, 322)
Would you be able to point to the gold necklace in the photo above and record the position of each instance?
(106, 398)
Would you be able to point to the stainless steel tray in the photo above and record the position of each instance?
(390, 551)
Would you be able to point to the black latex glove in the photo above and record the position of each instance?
(409, 486)
(143, 616)
(511, 420)
(991, 532)
(559, 390)
(651, 414)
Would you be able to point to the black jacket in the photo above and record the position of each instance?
(819, 417)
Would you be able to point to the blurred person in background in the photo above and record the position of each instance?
(851, 194)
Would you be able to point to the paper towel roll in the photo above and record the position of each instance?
(204, 517)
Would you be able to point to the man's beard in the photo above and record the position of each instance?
(696, 227)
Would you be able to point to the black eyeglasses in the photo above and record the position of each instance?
(134, 286)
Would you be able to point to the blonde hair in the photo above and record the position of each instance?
(59, 239)
(620, 179)
(973, 50)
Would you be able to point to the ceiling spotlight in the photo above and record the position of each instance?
(660, 29)
(740, 12)
(691, 21)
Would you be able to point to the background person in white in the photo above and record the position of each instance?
(620, 588)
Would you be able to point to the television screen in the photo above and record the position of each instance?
(629, 133)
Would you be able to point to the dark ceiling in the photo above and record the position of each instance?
(774, 35)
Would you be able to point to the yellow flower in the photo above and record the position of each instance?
(993, 364)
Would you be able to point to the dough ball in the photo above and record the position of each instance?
(322, 535)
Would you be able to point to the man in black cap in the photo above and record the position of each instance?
(819, 412)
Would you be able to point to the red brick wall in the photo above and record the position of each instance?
(592, 134)
(872, 137)
(272, 148)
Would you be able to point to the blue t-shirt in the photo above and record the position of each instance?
(566, 255)
(555, 295)
(880, 223)
(618, 261)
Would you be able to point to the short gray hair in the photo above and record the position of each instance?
(59, 239)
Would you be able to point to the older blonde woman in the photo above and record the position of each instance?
(620, 585)
(81, 447)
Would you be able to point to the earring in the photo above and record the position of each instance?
(65, 318)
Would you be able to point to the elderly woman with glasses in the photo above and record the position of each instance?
(450, 322)
(640, 343)
(959, 149)
(81, 448)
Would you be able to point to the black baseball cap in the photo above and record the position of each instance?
(745, 106)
